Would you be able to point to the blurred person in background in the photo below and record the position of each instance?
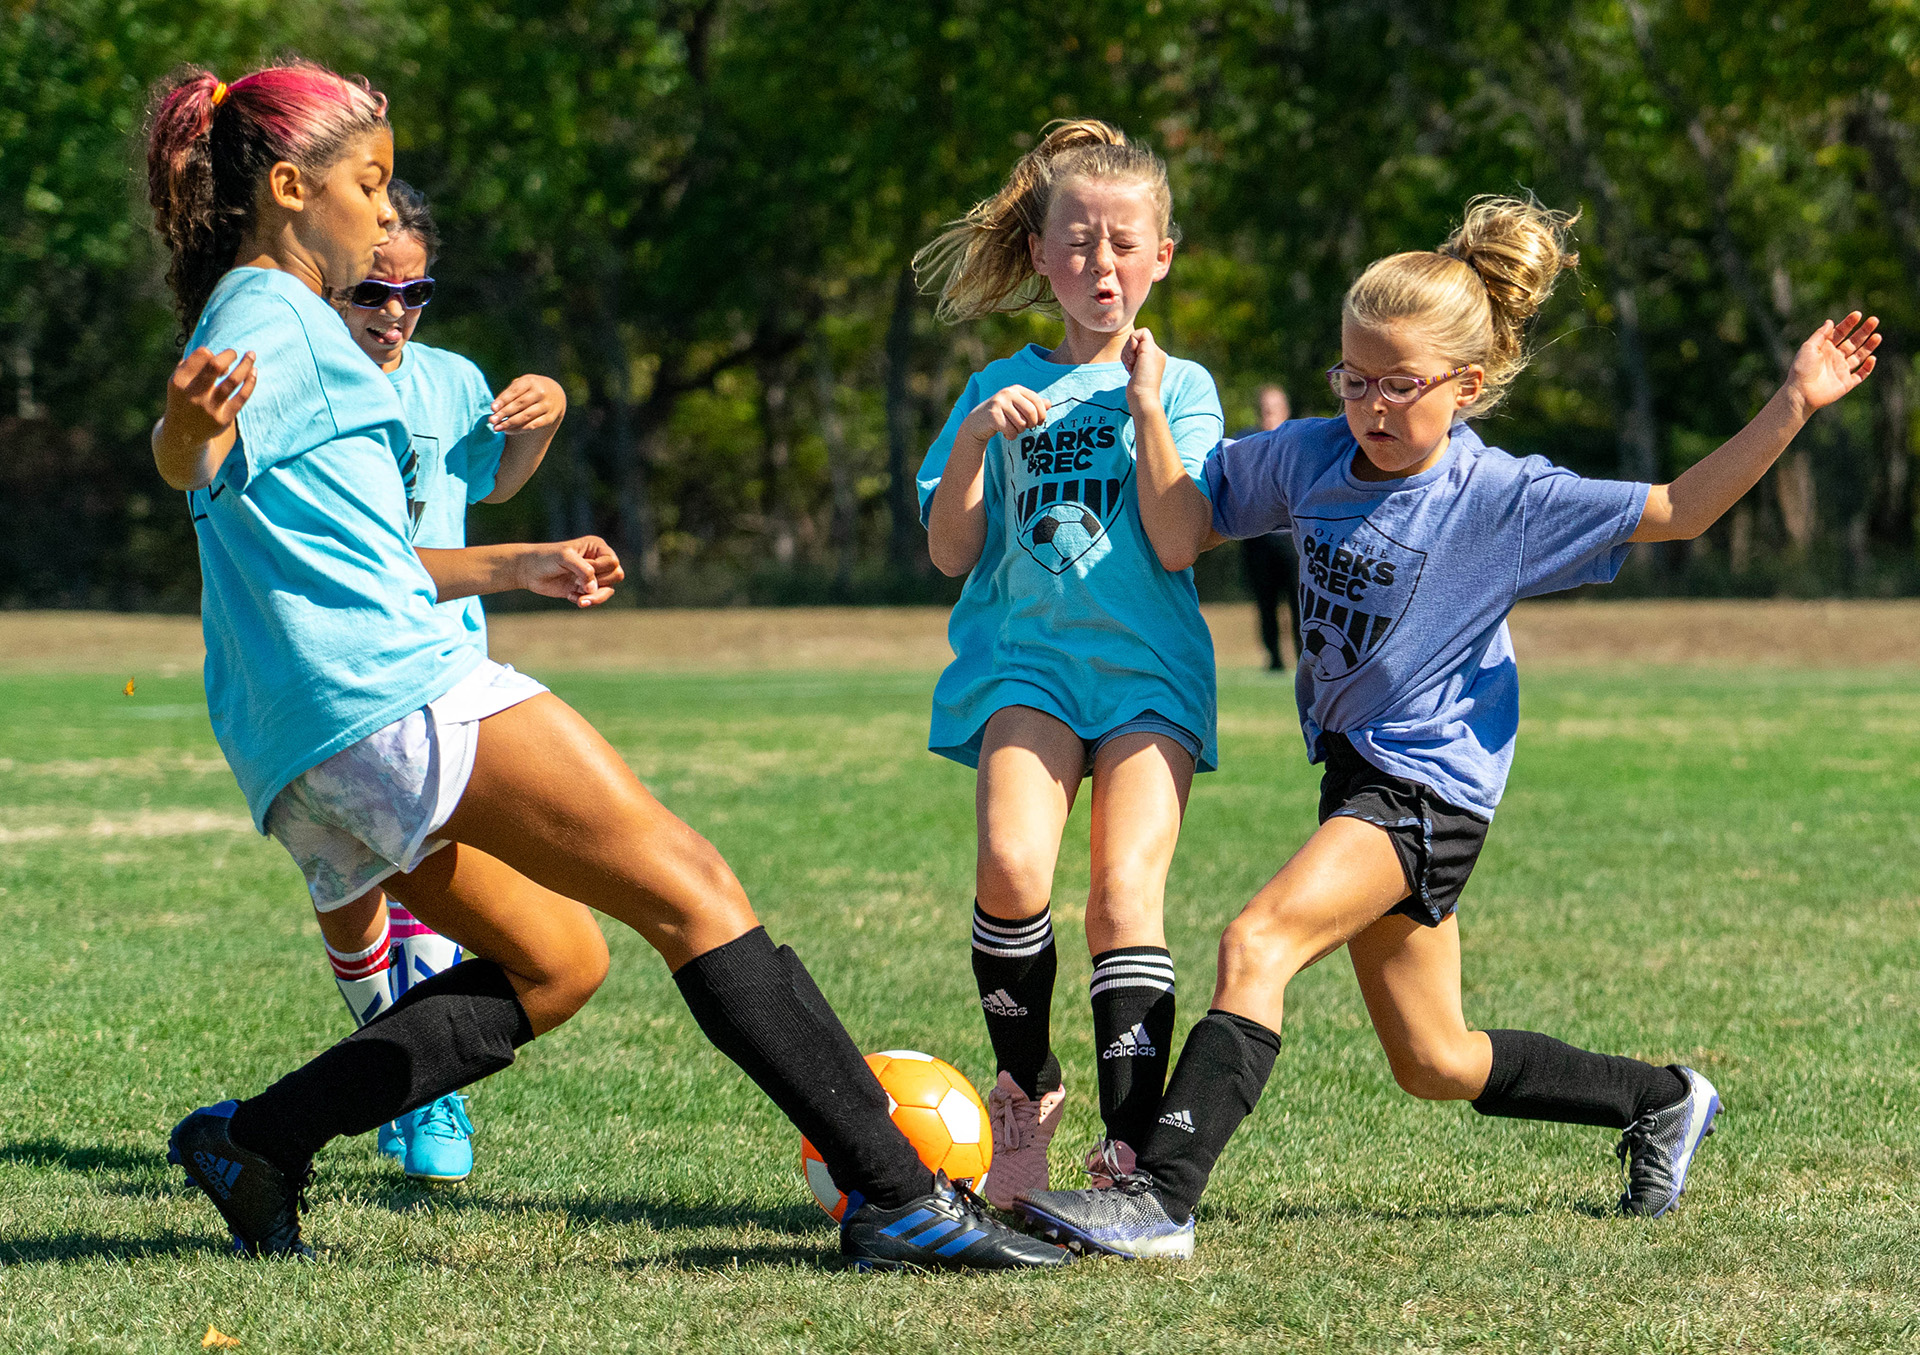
(1273, 570)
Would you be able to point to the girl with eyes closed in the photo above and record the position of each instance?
(1076, 656)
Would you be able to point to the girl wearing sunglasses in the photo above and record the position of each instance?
(1415, 539)
(468, 446)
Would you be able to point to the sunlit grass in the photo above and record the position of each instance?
(1717, 868)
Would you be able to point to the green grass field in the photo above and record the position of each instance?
(1717, 867)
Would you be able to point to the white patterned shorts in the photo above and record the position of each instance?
(371, 810)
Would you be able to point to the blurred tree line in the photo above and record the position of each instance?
(699, 215)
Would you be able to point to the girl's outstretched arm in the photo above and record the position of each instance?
(583, 570)
(957, 519)
(1835, 360)
(1177, 516)
(528, 411)
(204, 398)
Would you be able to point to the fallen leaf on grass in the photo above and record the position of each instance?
(215, 1338)
(128, 689)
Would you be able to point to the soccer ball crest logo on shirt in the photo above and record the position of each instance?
(1060, 534)
(934, 1105)
(1066, 481)
(1328, 649)
(1355, 584)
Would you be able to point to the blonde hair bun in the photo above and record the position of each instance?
(980, 264)
(1476, 294)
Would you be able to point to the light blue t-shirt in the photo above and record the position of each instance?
(1068, 609)
(320, 620)
(447, 403)
(1405, 586)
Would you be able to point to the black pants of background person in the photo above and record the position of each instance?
(1273, 573)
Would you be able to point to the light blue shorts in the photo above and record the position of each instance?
(1147, 722)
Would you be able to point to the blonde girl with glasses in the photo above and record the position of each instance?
(1416, 539)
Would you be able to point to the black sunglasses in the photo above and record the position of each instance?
(373, 294)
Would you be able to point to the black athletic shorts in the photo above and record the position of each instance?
(1437, 842)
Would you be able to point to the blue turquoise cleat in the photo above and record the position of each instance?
(439, 1141)
(393, 1144)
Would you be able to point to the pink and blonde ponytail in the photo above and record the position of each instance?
(210, 146)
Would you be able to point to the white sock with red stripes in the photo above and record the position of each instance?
(364, 978)
(422, 952)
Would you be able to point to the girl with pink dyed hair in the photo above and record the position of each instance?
(371, 739)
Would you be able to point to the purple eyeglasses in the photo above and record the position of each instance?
(1399, 390)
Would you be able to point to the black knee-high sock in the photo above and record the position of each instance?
(454, 1029)
(1215, 1086)
(1014, 964)
(1536, 1077)
(761, 1009)
(1132, 995)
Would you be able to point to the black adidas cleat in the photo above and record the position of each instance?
(1125, 1219)
(1658, 1149)
(949, 1229)
(261, 1206)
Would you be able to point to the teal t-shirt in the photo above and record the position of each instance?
(320, 620)
(447, 403)
(1069, 610)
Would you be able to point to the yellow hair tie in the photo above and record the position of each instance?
(219, 93)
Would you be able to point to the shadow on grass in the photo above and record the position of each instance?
(659, 1214)
(85, 1159)
(714, 1259)
(99, 1247)
(1357, 1212)
(115, 1171)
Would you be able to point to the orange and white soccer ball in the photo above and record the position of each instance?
(935, 1107)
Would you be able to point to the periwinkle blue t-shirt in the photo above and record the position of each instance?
(320, 620)
(1405, 586)
(1068, 609)
(456, 456)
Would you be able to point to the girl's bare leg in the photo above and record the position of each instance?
(1140, 786)
(549, 945)
(1341, 882)
(1030, 766)
(1029, 775)
(1410, 977)
(551, 798)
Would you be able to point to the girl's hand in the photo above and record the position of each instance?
(1146, 364)
(205, 395)
(1835, 360)
(1008, 412)
(583, 570)
(530, 402)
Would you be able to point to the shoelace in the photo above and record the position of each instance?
(1644, 1169)
(1133, 1183)
(1006, 1117)
(447, 1117)
(970, 1204)
(1105, 1161)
